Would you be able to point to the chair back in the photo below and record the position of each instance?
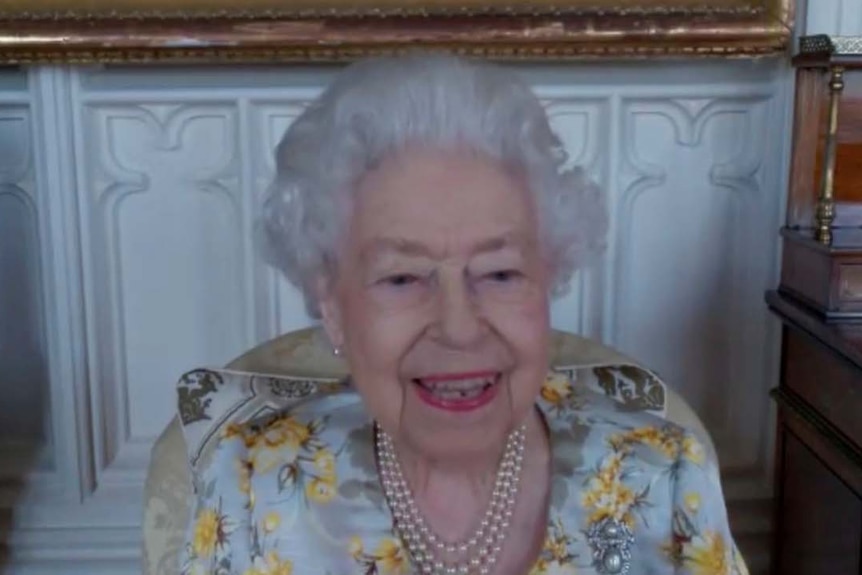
(304, 356)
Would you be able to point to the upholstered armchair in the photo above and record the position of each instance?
(302, 358)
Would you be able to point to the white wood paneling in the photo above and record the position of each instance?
(835, 17)
(161, 288)
(684, 309)
(132, 215)
(25, 417)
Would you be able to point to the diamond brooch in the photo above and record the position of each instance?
(611, 541)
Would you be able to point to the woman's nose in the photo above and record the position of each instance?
(460, 323)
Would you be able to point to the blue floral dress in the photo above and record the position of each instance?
(297, 493)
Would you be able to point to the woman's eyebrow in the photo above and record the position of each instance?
(498, 243)
(386, 245)
(382, 246)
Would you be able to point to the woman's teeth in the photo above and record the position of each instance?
(458, 389)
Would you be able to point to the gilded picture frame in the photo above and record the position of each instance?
(74, 31)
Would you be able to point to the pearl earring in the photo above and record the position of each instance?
(336, 351)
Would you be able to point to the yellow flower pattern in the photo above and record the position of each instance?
(707, 555)
(297, 493)
(321, 489)
(692, 501)
(692, 450)
(271, 522)
(388, 558)
(559, 393)
(697, 550)
(668, 440)
(557, 389)
(606, 495)
(208, 541)
(557, 556)
(272, 564)
(207, 529)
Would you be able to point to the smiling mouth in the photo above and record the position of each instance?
(458, 388)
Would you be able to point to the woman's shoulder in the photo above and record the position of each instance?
(596, 422)
(619, 467)
(599, 394)
(283, 478)
(332, 416)
(217, 405)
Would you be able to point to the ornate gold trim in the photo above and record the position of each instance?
(346, 54)
(575, 30)
(73, 10)
(346, 12)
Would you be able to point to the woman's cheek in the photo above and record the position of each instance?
(524, 314)
(388, 338)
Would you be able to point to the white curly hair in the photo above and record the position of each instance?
(375, 107)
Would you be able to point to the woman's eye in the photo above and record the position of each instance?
(503, 276)
(400, 280)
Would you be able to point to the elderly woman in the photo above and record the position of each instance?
(424, 208)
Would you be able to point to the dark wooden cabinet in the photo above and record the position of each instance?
(818, 474)
(818, 513)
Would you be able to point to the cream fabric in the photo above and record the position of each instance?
(306, 354)
(167, 501)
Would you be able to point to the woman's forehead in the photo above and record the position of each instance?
(439, 189)
(424, 170)
(387, 245)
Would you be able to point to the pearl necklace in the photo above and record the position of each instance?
(477, 553)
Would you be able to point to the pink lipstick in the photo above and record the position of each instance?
(458, 392)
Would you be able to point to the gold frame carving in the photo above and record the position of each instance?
(92, 31)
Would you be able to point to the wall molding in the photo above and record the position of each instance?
(117, 153)
(834, 17)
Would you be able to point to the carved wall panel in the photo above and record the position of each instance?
(134, 216)
(25, 411)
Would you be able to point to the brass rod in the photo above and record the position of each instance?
(826, 202)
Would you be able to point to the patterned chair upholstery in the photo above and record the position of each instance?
(304, 355)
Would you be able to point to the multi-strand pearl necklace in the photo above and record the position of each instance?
(474, 555)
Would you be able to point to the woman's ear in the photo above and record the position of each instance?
(330, 310)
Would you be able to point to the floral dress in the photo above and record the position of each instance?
(297, 493)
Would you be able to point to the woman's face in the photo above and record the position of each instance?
(440, 301)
